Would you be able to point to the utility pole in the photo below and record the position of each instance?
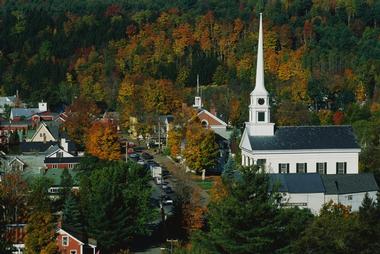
(126, 151)
(159, 135)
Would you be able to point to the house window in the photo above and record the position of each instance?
(40, 135)
(261, 163)
(301, 167)
(322, 167)
(261, 116)
(349, 197)
(65, 240)
(283, 168)
(73, 252)
(341, 167)
(59, 154)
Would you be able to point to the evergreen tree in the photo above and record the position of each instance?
(72, 216)
(229, 169)
(246, 220)
(66, 184)
(117, 204)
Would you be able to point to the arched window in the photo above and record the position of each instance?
(204, 124)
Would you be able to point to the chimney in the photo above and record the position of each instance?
(42, 106)
(64, 144)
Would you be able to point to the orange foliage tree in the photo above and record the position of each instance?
(174, 142)
(102, 141)
(218, 191)
(80, 114)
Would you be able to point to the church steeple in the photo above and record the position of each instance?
(259, 109)
(198, 98)
(259, 86)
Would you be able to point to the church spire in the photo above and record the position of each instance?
(259, 86)
(198, 98)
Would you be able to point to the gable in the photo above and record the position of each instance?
(42, 134)
(245, 142)
(59, 153)
(210, 118)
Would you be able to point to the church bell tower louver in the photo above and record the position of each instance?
(259, 109)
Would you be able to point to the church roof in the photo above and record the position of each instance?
(297, 183)
(306, 137)
(350, 183)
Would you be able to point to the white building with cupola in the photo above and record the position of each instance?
(293, 149)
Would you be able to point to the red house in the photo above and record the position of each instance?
(71, 242)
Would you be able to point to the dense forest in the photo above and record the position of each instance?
(322, 58)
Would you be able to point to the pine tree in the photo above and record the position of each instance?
(72, 216)
(246, 220)
(229, 169)
(66, 184)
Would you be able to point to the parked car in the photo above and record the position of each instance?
(166, 200)
(158, 180)
(146, 156)
(138, 149)
(168, 190)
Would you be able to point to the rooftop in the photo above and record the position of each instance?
(307, 137)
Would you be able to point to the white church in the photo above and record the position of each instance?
(293, 149)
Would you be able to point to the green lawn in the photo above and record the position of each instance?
(206, 184)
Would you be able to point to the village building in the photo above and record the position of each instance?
(72, 242)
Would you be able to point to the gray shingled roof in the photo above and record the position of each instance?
(297, 183)
(351, 183)
(62, 160)
(24, 111)
(307, 137)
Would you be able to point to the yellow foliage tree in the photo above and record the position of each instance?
(103, 141)
(174, 142)
(218, 191)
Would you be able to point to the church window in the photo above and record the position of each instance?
(261, 116)
(341, 167)
(349, 197)
(301, 167)
(204, 124)
(283, 168)
(261, 101)
(322, 167)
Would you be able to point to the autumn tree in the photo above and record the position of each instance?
(80, 116)
(174, 142)
(103, 141)
(13, 190)
(201, 151)
(40, 234)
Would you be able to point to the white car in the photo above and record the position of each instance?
(166, 200)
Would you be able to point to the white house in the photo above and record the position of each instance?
(313, 190)
(293, 149)
(45, 133)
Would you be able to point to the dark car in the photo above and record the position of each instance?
(138, 149)
(168, 190)
(146, 156)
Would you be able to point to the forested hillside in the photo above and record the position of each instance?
(322, 57)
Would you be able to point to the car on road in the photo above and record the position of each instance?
(168, 190)
(166, 200)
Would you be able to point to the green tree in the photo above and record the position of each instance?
(328, 233)
(246, 220)
(71, 214)
(209, 151)
(116, 202)
(66, 184)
